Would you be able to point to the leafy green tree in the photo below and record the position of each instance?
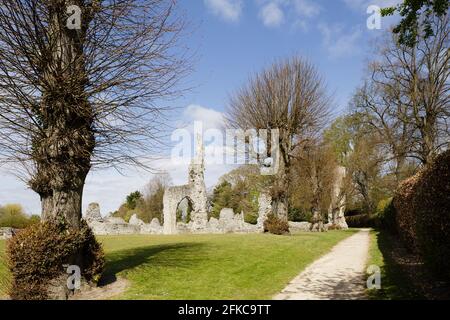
(133, 199)
(416, 14)
(222, 197)
(339, 136)
(13, 216)
(239, 190)
(358, 147)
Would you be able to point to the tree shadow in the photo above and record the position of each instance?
(398, 266)
(175, 255)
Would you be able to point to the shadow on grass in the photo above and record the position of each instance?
(395, 284)
(175, 255)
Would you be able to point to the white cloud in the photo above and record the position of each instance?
(272, 15)
(298, 13)
(338, 42)
(210, 117)
(307, 8)
(229, 10)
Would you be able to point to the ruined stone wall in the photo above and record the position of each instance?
(336, 213)
(117, 226)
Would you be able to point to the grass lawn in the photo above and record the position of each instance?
(394, 283)
(209, 266)
(4, 276)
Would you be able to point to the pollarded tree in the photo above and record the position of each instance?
(79, 83)
(313, 176)
(289, 96)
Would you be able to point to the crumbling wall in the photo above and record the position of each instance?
(336, 213)
(117, 226)
(194, 191)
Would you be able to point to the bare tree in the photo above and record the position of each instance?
(408, 98)
(289, 96)
(383, 109)
(313, 175)
(72, 98)
(152, 205)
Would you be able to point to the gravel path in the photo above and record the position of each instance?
(339, 275)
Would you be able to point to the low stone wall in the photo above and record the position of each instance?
(300, 226)
(118, 226)
(6, 233)
(228, 222)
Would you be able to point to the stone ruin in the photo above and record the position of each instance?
(194, 192)
(6, 233)
(118, 226)
(336, 213)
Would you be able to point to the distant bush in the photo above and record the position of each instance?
(361, 221)
(37, 255)
(13, 216)
(386, 216)
(275, 225)
(251, 218)
(423, 214)
(299, 215)
(353, 212)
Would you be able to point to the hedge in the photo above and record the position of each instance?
(275, 225)
(405, 219)
(38, 255)
(423, 214)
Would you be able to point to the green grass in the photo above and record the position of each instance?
(4, 275)
(394, 283)
(211, 266)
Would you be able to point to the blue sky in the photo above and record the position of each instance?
(233, 39)
(236, 38)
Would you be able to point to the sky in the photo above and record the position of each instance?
(230, 41)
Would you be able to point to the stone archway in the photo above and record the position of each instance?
(195, 191)
(184, 210)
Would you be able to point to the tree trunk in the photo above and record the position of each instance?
(317, 218)
(399, 167)
(64, 205)
(62, 151)
(280, 203)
